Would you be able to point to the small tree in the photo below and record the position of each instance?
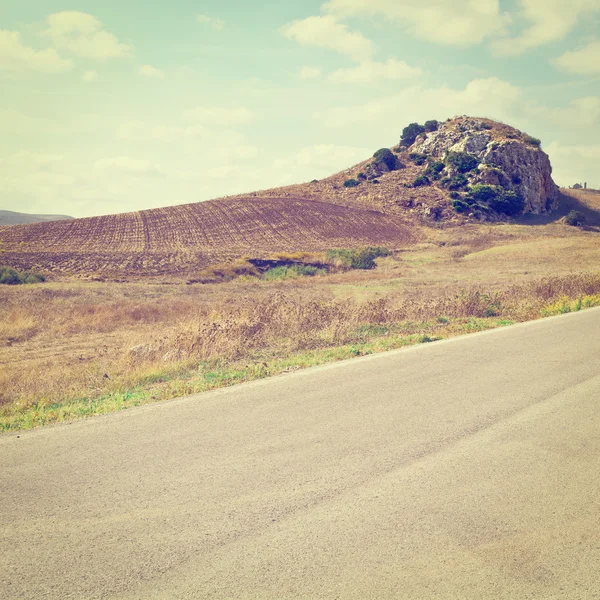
(385, 156)
(431, 126)
(410, 133)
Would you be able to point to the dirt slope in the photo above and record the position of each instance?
(179, 240)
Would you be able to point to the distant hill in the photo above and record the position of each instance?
(8, 217)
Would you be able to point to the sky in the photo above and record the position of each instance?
(110, 106)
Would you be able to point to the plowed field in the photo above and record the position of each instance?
(180, 240)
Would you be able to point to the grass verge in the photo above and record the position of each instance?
(195, 377)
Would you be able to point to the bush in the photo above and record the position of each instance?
(434, 169)
(457, 182)
(431, 126)
(315, 181)
(10, 276)
(410, 133)
(460, 206)
(386, 157)
(421, 180)
(455, 196)
(361, 176)
(463, 162)
(528, 139)
(351, 183)
(575, 218)
(356, 258)
(418, 159)
(497, 198)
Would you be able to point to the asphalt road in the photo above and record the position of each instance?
(464, 469)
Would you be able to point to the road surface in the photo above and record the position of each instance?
(463, 469)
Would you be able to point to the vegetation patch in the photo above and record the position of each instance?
(385, 156)
(410, 133)
(418, 159)
(463, 162)
(10, 276)
(575, 218)
(355, 258)
(350, 183)
(292, 272)
(528, 139)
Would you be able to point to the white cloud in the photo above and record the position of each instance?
(310, 72)
(215, 23)
(150, 71)
(84, 35)
(582, 113)
(551, 20)
(15, 56)
(450, 22)
(481, 97)
(90, 76)
(216, 115)
(575, 164)
(327, 32)
(584, 61)
(127, 165)
(370, 71)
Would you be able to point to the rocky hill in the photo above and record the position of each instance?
(8, 217)
(463, 168)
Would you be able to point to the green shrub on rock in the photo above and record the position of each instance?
(463, 162)
(410, 133)
(497, 198)
(349, 183)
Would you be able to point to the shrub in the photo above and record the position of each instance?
(361, 176)
(457, 182)
(460, 206)
(463, 162)
(418, 159)
(497, 198)
(10, 276)
(315, 181)
(575, 218)
(356, 258)
(486, 126)
(516, 180)
(421, 180)
(375, 181)
(351, 183)
(508, 202)
(528, 139)
(386, 157)
(430, 126)
(455, 196)
(410, 133)
(434, 169)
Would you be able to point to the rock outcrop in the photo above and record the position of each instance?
(508, 158)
